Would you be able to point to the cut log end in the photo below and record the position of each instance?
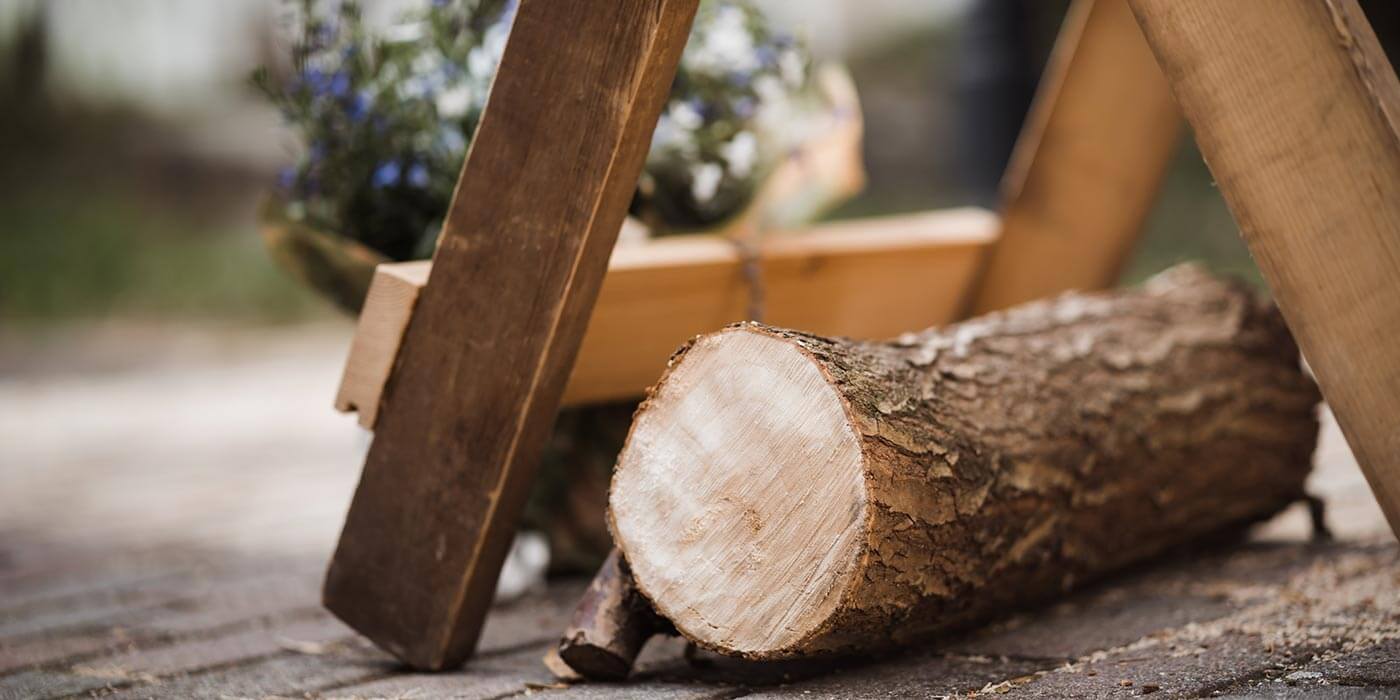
(771, 464)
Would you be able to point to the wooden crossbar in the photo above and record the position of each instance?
(868, 278)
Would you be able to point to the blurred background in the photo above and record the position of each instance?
(147, 340)
(135, 152)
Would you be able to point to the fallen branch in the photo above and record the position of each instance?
(611, 624)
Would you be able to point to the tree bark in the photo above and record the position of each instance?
(783, 494)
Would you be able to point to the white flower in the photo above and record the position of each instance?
(666, 133)
(792, 69)
(481, 64)
(412, 88)
(404, 33)
(451, 139)
(769, 89)
(741, 153)
(495, 40)
(454, 102)
(425, 63)
(725, 45)
(704, 181)
(685, 116)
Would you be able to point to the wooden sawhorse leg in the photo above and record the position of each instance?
(1295, 108)
(1088, 165)
(523, 252)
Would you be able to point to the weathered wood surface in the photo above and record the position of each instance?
(1241, 619)
(1088, 165)
(1296, 111)
(868, 278)
(523, 252)
(187, 567)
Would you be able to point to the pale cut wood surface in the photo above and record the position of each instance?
(739, 498)
(393, 293)
(523, 252)
(1295, 108)
(1088, 165)
(869, 278)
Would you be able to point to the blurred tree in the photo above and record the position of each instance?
(23, 79)
(1002, 51)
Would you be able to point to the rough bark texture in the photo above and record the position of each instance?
(1013, 456)
(610, 625)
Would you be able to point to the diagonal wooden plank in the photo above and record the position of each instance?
(1297, 112)
(543, 193)
(1088, 164)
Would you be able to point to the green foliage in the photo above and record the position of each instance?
(71, 252)
(387, 117)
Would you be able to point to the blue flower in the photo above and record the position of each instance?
(386, 175)
(340, 85)
(314, 79)
(441, 3)
(701, 108)
(286, 178)
(357, 107)
(317, 152)
(418, 175)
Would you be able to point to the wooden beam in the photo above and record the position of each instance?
(1088, 165)
(523, 252)
(1295, 108)
(870, 278)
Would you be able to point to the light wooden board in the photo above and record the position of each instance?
(523, 252)
(1295, 108)
(393, 293)
(871, 278)
(1089, 163)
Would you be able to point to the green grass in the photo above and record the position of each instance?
(1191, 222)
(68, 255)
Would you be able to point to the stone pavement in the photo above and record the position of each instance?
(166, 513)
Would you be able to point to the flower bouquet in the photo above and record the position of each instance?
(754, 138)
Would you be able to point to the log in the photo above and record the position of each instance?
(783, 494)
